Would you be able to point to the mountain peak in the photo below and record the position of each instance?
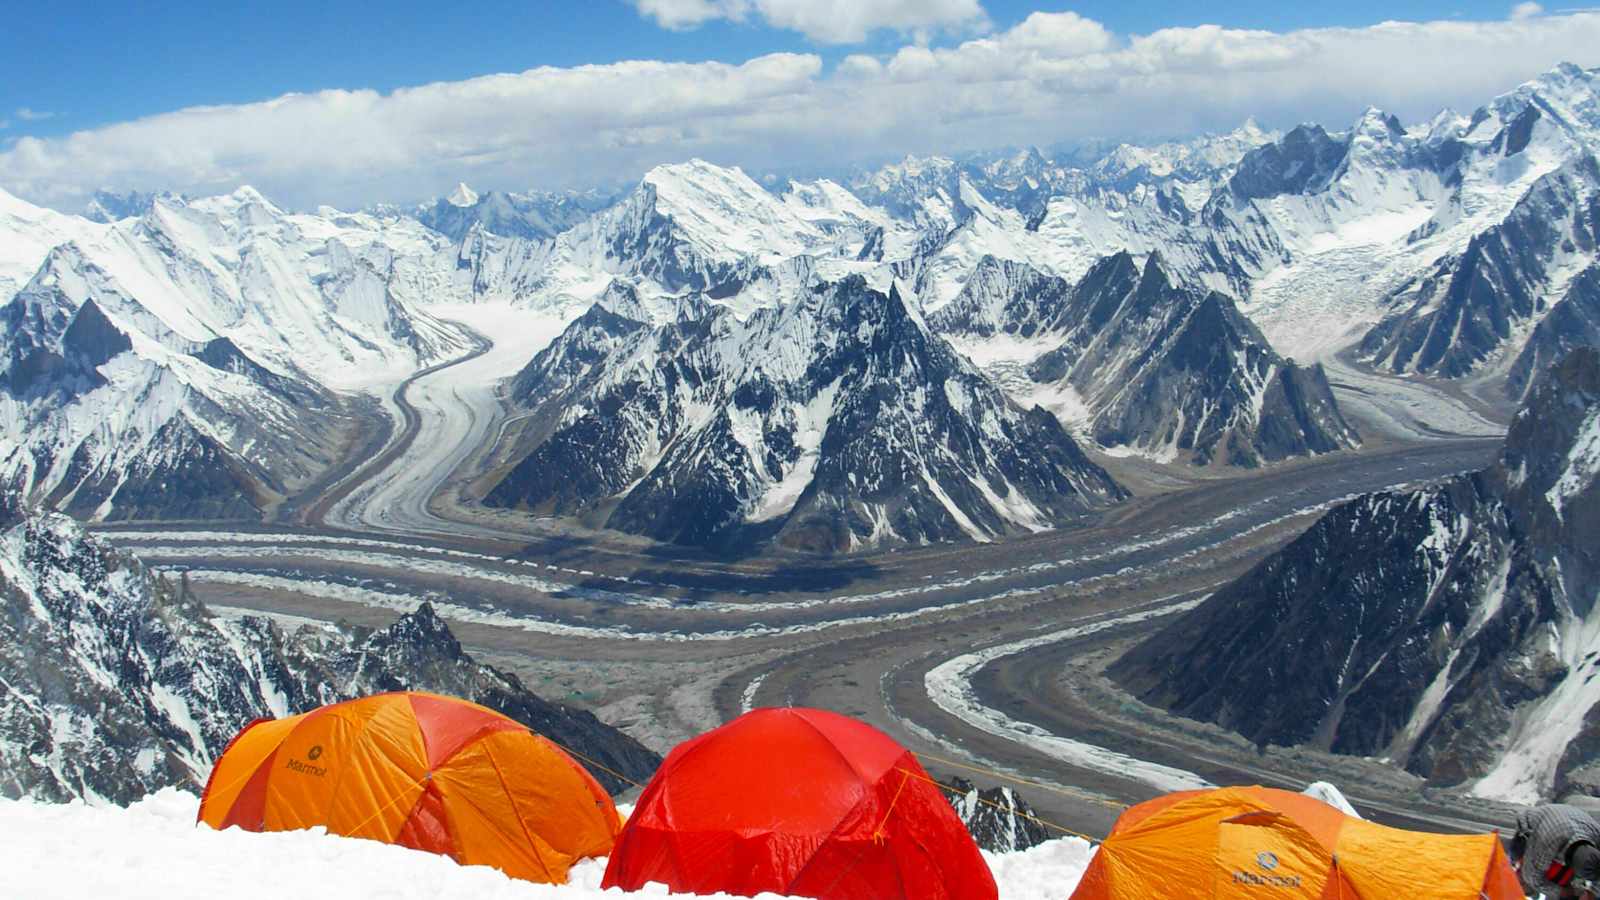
(1251, 129)
(462, 196)
(1375, 121)
(245, 193)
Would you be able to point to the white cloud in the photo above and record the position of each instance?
(1051, 78)
(681, 14)
(850, 21)
(825, 21)
(31, 115)
(1525, 11)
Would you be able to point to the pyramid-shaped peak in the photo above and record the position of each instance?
(462, 196)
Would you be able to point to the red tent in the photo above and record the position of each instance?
(800, 802)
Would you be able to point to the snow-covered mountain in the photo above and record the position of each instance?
(696, 226)
(1142, 364)
(1340, 232)
(1490, 301)
(258, 338)
(532, 216)
(115, 681)
(836, 421)
(194, 361)
(1452, 629)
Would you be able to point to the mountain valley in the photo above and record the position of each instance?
(933, 444)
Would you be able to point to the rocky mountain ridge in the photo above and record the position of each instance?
(1143, 364)
(834, 422)
(115, 681)
(1450, 629)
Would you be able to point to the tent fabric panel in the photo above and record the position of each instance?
(427, 827)
(249, 808)
(933, 845)
(487, 827)
(1500, 882)
(908, 840)
(1322, 821)
(309, 764)
(1265, 854)
(1155, 852)
(1389, 862)
(771, 802)
(236, 767)
(601, 796)
(382, 775)
(552, 795)
(848, 862)
(870, 753)
(786, 764)
(447, 725)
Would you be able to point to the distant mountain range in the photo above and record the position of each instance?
(211, 357)
(1448, 629)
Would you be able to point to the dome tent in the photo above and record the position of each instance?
(1257, 842)
(419, 770)
(799, 802)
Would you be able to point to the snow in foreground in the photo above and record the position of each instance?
(153, 850)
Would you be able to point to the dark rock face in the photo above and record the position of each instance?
(1436, 627)
(115, 681)
(1175, 371)
(1469, 307)
(998, 819)
(639, 238)
(190, 477)
(67, 365)
(1300, 163)
(834, 422)
(224, 355)
(1573, 322)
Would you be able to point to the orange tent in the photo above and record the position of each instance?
(422, 771)
(800, 802)
(1263, 842)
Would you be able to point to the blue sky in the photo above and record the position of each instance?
(335, 103)
(97, 63)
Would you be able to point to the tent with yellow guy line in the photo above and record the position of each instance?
(422, 771)
(1266, 843)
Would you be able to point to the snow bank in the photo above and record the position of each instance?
(1332, 796)
(154, 850)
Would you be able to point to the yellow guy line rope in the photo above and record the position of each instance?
(1006, 809)
(877, 833)
(598, 765)
(1055, 789)
(426, 776)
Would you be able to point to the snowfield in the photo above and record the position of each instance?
(153, 849)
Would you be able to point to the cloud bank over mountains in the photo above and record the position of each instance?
(1053, 77)
(823, 21)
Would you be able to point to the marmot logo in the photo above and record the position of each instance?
(1251, 879)
(314, 752)
(1264, 859)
